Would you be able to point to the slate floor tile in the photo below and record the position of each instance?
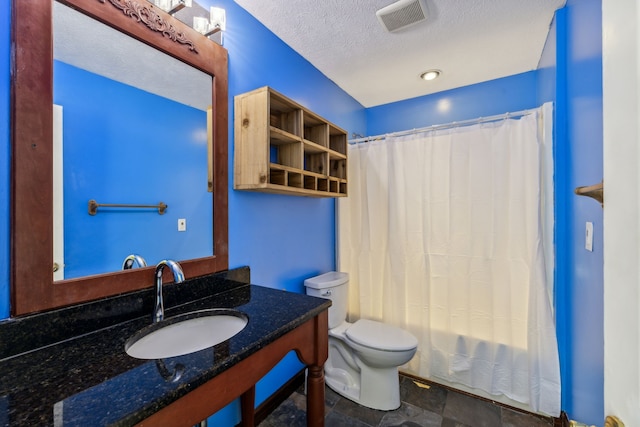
(431, 398)
(473, 412)
(431, 406)
(410, 416)
(351, 409)
(287, 414)
(512, 418)
(336, 419)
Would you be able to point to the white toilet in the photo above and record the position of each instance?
(363, 356)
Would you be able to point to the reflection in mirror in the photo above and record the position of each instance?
(134, 132)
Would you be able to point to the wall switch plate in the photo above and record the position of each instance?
(588, 237)
(182, 224)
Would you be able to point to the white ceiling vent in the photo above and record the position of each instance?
(401, 14)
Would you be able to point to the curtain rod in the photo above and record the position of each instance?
(469, 122)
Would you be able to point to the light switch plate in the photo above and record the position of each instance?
(588, 237)
(182, 224)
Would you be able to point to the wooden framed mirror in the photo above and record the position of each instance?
(32, 286)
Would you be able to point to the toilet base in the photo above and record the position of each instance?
(378, 388)
(342, 385)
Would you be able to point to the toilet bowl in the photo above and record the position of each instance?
(363, 356)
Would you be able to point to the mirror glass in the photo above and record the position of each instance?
(130, 128)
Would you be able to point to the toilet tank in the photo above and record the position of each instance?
(333, 286)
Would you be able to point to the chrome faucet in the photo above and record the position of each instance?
(178, 277)
(132, 259)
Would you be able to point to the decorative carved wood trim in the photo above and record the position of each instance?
(146, 15)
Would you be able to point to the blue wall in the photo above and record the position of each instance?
(500, 96)
(284, 239)
(580, 90)
(552, 87)
(570, 73)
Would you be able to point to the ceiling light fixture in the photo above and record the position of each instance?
(430, 75)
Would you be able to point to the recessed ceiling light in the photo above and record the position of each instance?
(430, 75)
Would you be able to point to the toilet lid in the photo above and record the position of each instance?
(381, 336)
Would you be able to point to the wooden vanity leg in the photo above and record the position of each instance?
(247, 407)
(315, 396)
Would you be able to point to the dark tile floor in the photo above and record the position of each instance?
(430, 406)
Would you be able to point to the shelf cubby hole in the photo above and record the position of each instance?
(323, 184)
(317, 132)
(278, 177)
(316, 162)
(284, 116)
(337, 140)
(295, 179)
(286, 154)
(343, 188)
(338, 168)
(315, 129)
(333, 186)
(310, 182)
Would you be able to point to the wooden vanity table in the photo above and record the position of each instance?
(310, 341)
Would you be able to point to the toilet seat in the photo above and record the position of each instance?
(380, 336)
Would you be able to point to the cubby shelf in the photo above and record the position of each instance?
(282, 147)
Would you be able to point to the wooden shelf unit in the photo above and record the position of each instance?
(282, 147)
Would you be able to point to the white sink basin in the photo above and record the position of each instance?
(186, 333)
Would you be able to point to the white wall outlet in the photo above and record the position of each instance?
(182, 224)
(588, 237)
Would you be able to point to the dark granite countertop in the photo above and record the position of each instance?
(68, 367)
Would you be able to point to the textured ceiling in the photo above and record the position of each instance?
(471, 41)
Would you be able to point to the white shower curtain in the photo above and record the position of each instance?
(442, 234)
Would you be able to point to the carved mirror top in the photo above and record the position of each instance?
(146, 14)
